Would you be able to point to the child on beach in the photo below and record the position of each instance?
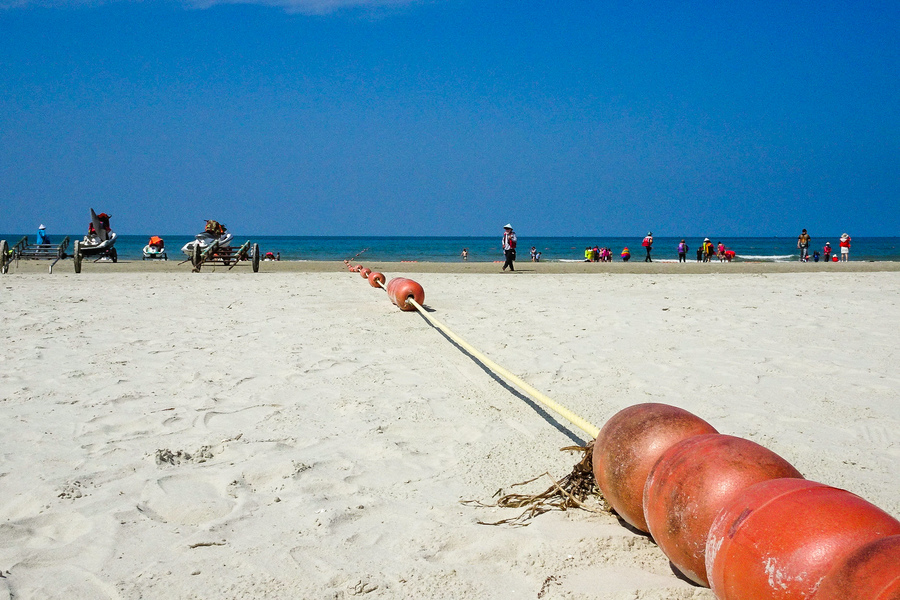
(465, 254)
(826, 252)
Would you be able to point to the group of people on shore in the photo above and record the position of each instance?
(804, 240)
(705, 253)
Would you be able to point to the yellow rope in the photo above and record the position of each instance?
(561, 410)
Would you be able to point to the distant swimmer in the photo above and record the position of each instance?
(465, 254)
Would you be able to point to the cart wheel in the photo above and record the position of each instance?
(195, 257)
(254, 256)
(4, 257)
(114, 254)
(76, 256)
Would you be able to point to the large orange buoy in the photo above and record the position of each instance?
(375, 277)
(872, 572)
(777, 539)
(691, 483)
(364, 272)
(629, 445)
(357, 268)
(400, 290)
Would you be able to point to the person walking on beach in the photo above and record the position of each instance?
(42, 237)
(509, 246)
(803, 244)
(648, 245)
(845, 248)
(682, 251)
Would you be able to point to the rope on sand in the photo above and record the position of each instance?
(577, 421)
(572, 491)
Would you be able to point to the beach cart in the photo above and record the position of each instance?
(25, 251)
(99, 243)
(218, 254)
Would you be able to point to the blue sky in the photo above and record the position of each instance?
(342, 117)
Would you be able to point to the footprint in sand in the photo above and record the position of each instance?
(229, 421)
(57, 582)
(185, 500)
(43, 531)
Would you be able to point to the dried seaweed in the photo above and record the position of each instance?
(572, 491)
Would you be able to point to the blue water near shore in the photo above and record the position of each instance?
(487, 249)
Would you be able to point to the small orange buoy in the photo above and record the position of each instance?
(364, 272)
(358, 268)
(400, 290)
(778, 539)
(375, 277)
(629, 445)
(872, 572)
(691, 483)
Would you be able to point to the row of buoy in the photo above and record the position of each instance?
(405, 293)
(729, 513)
(734, 516)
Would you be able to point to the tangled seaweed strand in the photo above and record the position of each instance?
(572, 491)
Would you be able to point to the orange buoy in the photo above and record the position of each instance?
(364, 272)
(375, 277)
(691, 483)
(358, 268)
(871, 572)
(629, 445)
(400, 290)
(778, 539)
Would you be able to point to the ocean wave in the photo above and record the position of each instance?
(772, 257)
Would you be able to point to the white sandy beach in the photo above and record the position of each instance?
(294, 435)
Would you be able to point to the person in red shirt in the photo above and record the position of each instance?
(826, 251)
(845, 248)
(648, 246)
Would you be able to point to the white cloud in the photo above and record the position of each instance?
(312, 7)
(315, 7)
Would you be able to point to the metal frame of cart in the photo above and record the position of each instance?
(226, 255)
(25, 251)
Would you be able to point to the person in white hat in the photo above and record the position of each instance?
(42, 237)
(648, 245)
(845, 247)
(509, 246)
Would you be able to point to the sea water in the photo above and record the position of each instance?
(487, 249)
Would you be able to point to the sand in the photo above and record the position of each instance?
(291, 434)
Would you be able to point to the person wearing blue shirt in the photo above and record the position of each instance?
(42, 237)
